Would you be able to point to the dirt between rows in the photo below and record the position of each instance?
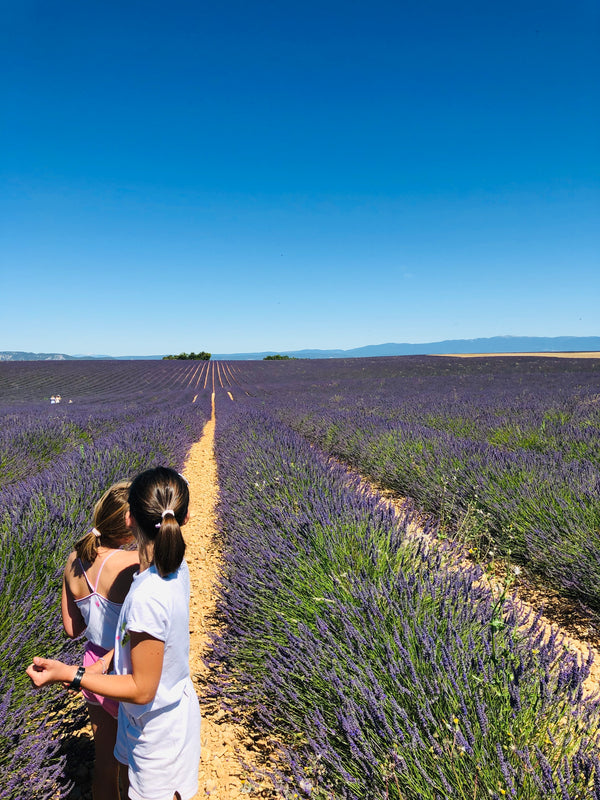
(226, 747)
(231, 754)
(573, 623)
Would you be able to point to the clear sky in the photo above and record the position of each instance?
(237, 176)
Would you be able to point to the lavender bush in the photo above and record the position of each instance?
(380, 669)
(516, 440)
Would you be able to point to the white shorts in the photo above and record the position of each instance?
(162, 750)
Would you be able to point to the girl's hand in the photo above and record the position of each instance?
(97, 668)
(102, 666)
(46, 670)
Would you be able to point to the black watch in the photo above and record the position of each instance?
(76, 682)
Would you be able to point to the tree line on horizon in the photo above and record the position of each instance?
(201, 356)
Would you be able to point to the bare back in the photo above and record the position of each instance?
(115, 575)
(115, 580)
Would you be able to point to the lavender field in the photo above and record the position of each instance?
(511, 441)
(378, 669)
(55, 461)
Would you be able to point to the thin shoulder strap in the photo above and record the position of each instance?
(87, 580)
(101, 568)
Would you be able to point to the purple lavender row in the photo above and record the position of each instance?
(33, 436)
(96, 382)
(511, 443)
(543, 511)
(540, 404)
(379, 670)
(41, 517)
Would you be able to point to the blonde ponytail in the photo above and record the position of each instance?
(87, 547)
(109, 523)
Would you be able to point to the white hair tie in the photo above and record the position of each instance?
(96, 533)
(163, 515)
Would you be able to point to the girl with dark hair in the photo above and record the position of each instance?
(96, 580)
(159, 716)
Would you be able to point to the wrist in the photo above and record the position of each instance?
(75, 684)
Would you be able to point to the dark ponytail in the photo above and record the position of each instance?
(158, 501)
(169, 547)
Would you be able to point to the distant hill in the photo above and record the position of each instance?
(19, 355)
(494, 344)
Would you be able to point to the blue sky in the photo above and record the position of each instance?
(240, 176)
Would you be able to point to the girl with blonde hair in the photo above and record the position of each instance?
(96, 579)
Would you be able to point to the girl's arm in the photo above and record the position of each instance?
(140, 687)
(73, 622)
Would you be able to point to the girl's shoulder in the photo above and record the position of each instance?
(117, 575)
(123, 558)
(150, 601)
(71, 562)
(120, 562)
(150, 587)
(74, 576)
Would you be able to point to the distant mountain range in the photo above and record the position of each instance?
(19, 355)
(494, 344)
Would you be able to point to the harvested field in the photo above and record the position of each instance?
(533, 355)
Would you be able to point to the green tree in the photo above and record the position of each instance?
(201, 356)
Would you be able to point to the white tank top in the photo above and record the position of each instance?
(100, 614)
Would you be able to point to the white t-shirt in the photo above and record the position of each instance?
(160, 607)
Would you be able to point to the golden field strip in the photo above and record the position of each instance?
(590, 354)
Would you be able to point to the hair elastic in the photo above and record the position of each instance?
(96, 533)
(163, 515)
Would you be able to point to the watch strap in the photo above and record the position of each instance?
(76, 682)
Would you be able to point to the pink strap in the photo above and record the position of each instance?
(101, 568)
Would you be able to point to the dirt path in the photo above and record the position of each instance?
(223, 744)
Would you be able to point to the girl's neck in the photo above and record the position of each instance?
(103, 549)
(117, 544)
(146, 554)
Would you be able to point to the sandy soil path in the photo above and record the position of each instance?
(223, 745)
